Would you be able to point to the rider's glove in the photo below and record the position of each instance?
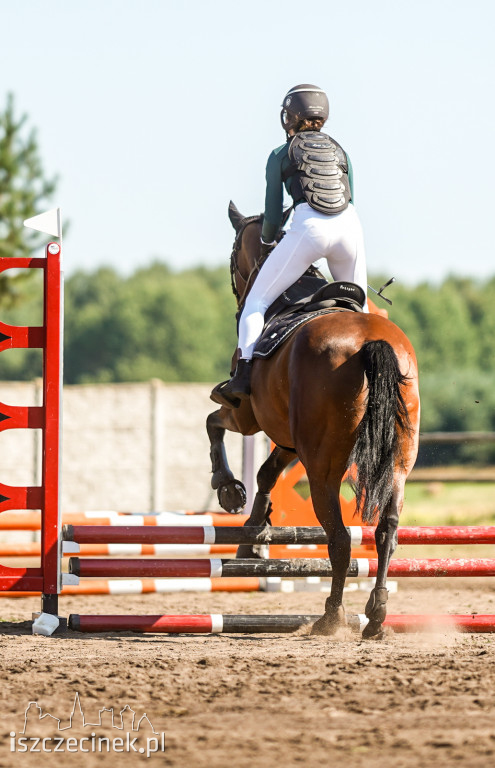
(267, 248)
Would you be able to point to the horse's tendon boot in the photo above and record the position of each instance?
(376, 611)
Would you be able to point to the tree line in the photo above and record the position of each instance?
(180, 326)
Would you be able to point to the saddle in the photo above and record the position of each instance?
(282, 319)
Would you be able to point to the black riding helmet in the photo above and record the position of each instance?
(303, 101)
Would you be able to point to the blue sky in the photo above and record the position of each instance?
(155, 114)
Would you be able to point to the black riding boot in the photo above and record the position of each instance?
(240, 383)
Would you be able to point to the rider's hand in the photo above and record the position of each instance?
(267, 248)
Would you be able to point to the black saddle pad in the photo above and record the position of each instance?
(279, 329)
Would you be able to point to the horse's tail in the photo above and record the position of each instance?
(378, 445)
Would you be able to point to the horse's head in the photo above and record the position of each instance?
(245, 260)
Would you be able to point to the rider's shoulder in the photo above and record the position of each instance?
(278, 154)
(281, 150)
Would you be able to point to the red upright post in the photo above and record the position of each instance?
(52, 402)
(45, 579)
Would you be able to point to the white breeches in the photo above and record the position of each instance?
(311, 236)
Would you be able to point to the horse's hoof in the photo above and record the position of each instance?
(373, 631)
(322, 627)
(329, 624)
(232, 497)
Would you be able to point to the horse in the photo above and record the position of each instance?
(341, 395)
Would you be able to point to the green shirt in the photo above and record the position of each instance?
(277, 163)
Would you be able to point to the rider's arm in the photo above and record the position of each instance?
(351, 177)
(274, 199)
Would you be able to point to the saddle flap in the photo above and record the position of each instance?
(299, 294)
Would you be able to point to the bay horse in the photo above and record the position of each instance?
(341, 392)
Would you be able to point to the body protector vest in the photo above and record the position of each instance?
(319, 172)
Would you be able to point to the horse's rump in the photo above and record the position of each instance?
(337, 385)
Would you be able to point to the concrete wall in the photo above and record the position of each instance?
(127, 447)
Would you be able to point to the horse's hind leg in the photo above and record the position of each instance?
(266, 478)
(326, 503)
(386, 542)
(231, 492)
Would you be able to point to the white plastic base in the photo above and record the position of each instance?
(45, 624)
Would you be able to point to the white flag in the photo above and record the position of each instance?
(49, 222)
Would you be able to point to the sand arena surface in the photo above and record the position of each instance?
(265, 700)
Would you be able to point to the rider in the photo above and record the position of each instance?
(324, 224)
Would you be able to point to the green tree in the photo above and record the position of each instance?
(180, 326)
(24, 192)
(155, 324)
(440, 324)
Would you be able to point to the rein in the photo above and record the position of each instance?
(234, 269)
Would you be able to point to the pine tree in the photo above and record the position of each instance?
(24, 192)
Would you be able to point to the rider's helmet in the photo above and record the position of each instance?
(303, 101)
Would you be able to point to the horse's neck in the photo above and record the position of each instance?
(248, 269)
(250, 260)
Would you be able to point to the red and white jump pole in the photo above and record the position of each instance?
(218, 623)
(149, 586)
(231, 535)
(303, 567)
(31, 521)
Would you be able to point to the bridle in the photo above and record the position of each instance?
(234, 267)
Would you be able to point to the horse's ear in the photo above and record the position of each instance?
(286, 214)
(235, 217)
